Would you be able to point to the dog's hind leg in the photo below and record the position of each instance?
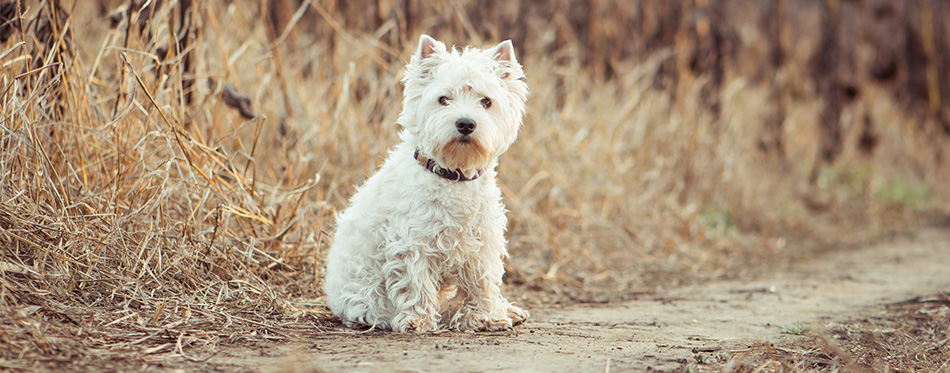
(413, 288)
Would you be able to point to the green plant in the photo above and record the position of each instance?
(910, 192)
(796, 329)
(718, 220)
(700, 358)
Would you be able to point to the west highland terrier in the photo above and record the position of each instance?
(422, 244)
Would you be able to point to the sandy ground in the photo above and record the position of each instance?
(663, 331)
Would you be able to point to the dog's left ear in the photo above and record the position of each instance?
(504, 52)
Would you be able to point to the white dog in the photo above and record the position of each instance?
(421, 246)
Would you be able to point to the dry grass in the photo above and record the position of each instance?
(149, 230)
(138, 226)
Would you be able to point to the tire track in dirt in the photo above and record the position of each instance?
(663, 332)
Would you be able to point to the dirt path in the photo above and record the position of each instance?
(664, 332)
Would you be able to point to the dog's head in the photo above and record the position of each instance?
(463, 109)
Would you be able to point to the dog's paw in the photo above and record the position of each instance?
(355, 325)
(484, 323)
(517, 315)
(417, 325)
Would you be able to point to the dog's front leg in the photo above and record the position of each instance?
(413, 287)
(485, 308)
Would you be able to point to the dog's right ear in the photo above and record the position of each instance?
(427, 47)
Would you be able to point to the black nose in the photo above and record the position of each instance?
(465, 126)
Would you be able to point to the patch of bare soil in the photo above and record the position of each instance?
(868, 307)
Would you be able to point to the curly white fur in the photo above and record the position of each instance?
(417, 252)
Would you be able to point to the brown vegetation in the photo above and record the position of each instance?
(910, 337)
(143, 217)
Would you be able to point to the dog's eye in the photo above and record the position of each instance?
(486, 102)
(444, 101)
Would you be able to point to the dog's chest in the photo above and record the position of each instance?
(461, 206)
(460, 220)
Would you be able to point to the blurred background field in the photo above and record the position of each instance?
(169, 170)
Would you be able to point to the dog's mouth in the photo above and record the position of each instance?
(465, 153)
